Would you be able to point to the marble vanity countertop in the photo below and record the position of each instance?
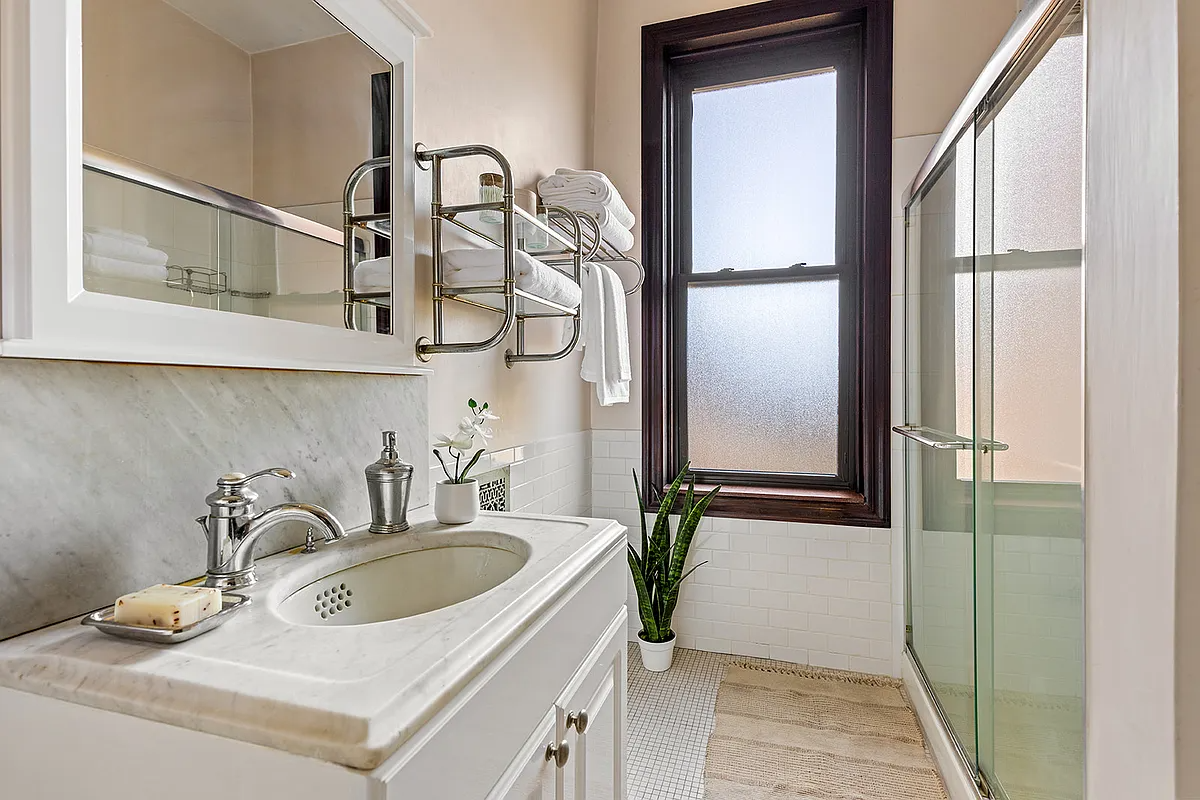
(347, 694)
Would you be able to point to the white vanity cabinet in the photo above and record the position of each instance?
(540, 716)
(562, 763)
(481, 745)
(595, 702)
(534, 775)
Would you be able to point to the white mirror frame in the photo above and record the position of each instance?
(44, 310)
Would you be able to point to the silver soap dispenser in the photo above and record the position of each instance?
(388, 483)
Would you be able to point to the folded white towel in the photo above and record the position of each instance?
(604, 335)
(373, 275)
(129, 270)
(100, 244)
(480, 267)
(567, 187)
(117, 233)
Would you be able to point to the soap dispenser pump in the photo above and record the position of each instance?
(388, 483)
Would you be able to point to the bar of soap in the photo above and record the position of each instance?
(167, 606)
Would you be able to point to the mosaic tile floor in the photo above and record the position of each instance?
(670, 719)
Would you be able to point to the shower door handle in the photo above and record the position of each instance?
(940, 440)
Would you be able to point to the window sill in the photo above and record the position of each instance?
(816, 506)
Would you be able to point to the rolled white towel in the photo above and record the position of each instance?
(480, 267)
(617, 236)
(117, 233)
(567, 186)
(105, 266)
(373, 275)
(101, 244)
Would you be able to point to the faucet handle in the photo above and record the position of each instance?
(236, 480)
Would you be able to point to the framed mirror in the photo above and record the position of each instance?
(230, 178)
(218, 140)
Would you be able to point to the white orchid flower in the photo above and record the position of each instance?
(458, 441)
(470, 426)
(461, 441)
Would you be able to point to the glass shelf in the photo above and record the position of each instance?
(491, 298)
(559, 250)
(476, 219)
(380, 224)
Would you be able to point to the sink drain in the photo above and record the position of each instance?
(333, 600)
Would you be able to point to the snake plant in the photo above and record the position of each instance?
(658, 570)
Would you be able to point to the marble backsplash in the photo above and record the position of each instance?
(104, 467)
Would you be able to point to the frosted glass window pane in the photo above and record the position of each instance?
(764, 172)
(762, 377)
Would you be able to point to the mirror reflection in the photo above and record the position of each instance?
(219, 137)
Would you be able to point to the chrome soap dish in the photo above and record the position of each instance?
(103, 620)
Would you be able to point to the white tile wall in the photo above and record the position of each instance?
(1038, 607)
(551, 476)
(806, 594)
(1039, 615)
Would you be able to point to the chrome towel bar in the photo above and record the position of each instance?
(940, 440)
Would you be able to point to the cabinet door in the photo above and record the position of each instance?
(598, 772)
(596, 768)
(533, 775)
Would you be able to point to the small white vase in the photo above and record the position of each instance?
(656, 656)
(456, 503)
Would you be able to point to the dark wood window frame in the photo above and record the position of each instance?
(856, 34)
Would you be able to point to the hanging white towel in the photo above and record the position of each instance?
(616, 330)
(604, 335)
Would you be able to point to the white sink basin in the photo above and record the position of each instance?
(401, 585)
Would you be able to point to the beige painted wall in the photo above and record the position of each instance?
(940, 47)
(516, 75)
(141, 98)
(282, 126)
(1187, 565)
(312, 119)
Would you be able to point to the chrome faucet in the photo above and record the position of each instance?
(234, 525)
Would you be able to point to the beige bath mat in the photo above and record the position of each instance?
(812, 734)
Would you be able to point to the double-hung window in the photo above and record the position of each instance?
(767, 212)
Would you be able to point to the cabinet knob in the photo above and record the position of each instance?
(558, 753)
(578, 719)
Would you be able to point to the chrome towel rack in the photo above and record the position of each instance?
(575, 238)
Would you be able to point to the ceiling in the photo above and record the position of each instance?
(259, 25)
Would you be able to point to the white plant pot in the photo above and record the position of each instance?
(656, 656)
(456, 503)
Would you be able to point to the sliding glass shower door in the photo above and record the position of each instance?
(994, 433)
(939, 373)
(1029, 395)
